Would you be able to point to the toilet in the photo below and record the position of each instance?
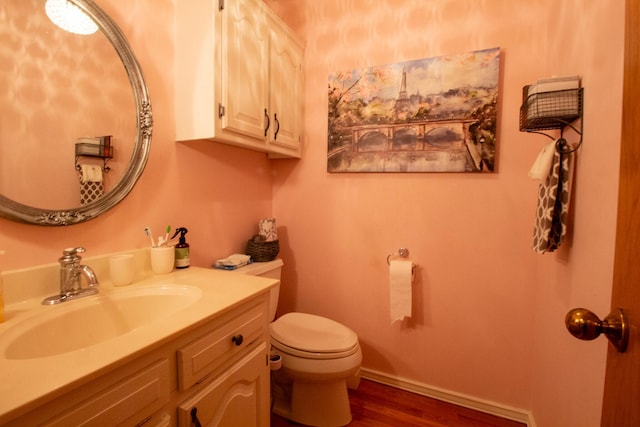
(320, 360)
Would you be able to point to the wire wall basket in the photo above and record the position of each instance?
(550, 110)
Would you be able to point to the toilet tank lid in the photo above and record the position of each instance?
(258, 268)
(311, 333)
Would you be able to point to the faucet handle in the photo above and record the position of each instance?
(73, 251)
(71, 255)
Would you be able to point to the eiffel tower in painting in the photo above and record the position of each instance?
(403, 103)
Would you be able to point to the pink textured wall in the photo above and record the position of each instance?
(218, 192)
(488, 311)
(590, 39)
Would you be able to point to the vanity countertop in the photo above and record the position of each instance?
(26, 383)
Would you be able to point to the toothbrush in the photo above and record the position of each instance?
(147, 230)
(166, 236)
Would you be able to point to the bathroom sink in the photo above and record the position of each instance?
(64, 328)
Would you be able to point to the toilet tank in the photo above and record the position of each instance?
(270, 269)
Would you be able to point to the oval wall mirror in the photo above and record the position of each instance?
(62, 93)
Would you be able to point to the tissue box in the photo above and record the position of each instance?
(554, 84)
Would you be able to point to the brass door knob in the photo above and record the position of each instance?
(585, 325)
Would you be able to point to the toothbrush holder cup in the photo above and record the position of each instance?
(162, 259)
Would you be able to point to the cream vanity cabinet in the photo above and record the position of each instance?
(238, 76)
(217, 373)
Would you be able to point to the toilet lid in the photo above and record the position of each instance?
(313, 333)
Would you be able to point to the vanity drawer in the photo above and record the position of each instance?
(129, 401)
(237, 332)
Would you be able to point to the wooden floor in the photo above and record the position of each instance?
(378, 405)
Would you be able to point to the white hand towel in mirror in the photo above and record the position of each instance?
(90, 173)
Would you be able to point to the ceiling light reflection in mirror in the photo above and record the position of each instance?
(69, 17)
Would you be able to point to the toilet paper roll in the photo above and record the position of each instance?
(275, 362)
(400, 289)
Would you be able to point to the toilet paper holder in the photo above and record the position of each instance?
(402, 253)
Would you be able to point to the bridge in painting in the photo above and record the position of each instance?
(411, 136)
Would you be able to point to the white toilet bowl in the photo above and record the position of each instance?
(319, 357)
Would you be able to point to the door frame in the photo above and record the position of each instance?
(620, 406)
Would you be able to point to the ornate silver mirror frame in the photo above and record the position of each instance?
(144, 122)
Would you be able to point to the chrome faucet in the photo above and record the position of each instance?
(70, 273)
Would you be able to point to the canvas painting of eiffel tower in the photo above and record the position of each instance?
(435, 114)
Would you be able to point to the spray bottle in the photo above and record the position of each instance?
(182, 249)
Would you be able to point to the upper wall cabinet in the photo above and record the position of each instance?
(238, 76)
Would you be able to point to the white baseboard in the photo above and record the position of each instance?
(450, 397)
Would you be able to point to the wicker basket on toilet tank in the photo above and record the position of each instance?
(261, 251)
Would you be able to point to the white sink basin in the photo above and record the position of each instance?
(79, 324)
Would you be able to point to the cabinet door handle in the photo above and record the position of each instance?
(237, 339)
(266, 116)
(194, 417)
(275, 117)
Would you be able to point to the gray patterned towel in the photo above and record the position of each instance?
(553, 204)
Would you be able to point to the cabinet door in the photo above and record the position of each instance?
(239, 397)
(245, 86)
(286, 102)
